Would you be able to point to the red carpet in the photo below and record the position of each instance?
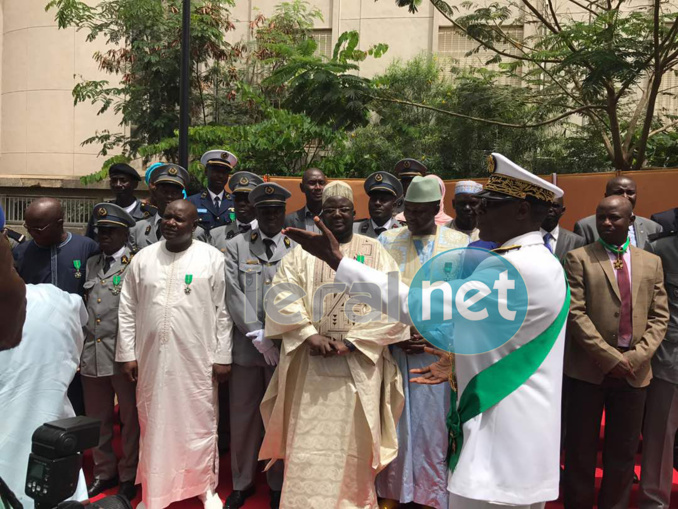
(261, 499)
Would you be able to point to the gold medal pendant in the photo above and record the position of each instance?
(618, 264)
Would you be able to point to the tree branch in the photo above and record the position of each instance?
(588, 9)
(484, 120)
(553, 15)
(663, 128)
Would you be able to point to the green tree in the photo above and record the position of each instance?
(601, 61)
(144, 37)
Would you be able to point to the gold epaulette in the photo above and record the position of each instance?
(502, 250)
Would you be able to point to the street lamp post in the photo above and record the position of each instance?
(185, 84)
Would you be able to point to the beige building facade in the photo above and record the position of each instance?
(41, 130)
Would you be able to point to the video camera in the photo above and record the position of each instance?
(55, 462)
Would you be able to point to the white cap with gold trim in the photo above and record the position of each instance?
(509, 179)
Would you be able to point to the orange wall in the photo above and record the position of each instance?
(657, 191)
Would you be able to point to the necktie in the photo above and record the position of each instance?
(217, 203)
(547, 241)
(270, 247)
(625, 323)
(244, 227)
(107, 264)
(379, 230)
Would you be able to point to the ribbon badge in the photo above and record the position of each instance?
(116, 285)
(188, 280)
(77, 265)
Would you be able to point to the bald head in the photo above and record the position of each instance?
(622, 186)
(614, 215)
(44, 219)
(185, 207)
(179, 221)
(45, 207)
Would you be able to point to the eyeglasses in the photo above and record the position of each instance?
(38, 230)
(332, 210)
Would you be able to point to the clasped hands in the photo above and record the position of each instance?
(327, 347)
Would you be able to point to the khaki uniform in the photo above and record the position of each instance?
(101, 377)
(249, 273)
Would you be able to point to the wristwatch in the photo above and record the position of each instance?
(349, 345)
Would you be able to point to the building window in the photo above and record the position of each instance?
(667, 100)
(323, 37)
(454, 48)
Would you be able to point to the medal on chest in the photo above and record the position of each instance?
(77, 265)
(618, 263)
(188, 280)
(116, 285)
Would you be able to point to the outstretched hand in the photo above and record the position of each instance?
(321, 245)
(439, 372)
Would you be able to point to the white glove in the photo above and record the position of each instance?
(265, 346)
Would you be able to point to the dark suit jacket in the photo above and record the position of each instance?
(594, 314)
(296, 219)
(667, 219)
(210, 217)
(567, 241)
(643, 227)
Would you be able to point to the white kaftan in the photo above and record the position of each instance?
(175, 337)
(34, 379)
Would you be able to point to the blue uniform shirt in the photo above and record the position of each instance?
(55, 264)
(210, 217)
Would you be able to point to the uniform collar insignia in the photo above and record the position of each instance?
(148, 229)
(228, 197)
(204, 194)
(125, 260)
(287, 242)
(254, 236)
(147, 214)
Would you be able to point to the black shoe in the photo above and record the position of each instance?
(238, 497)
(275, 499)
(128, 490)
(101, 485)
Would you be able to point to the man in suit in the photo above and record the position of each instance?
(123, 180)
(102, 380)
(214, 204)
(466, 204)
(640, 229)
(251, 262)
(618, 317)
(312, 184)
(661, 408)
(385, 192)
(668, 219)
(167, 185)
(558, 240)
(240, 184)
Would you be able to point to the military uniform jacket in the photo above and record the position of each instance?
(144, 233)
(365, 227)
(139, 212)
(102, 297)
(219, 236)
(210, 217)
(249, 273)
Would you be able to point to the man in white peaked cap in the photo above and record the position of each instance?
(505, 446)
